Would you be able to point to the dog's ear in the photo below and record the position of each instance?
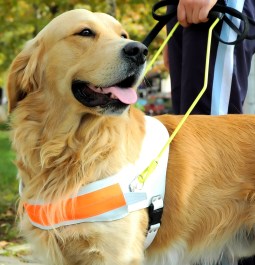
(25, 73)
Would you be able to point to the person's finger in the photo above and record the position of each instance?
(182, 15)
(195, 16)
(203, 13)
(194, 11)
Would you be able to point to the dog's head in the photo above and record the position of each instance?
(82, 57)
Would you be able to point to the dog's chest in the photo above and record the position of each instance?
(118, 184)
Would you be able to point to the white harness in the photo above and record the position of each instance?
(150, 195)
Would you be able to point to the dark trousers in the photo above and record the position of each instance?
(187, 50)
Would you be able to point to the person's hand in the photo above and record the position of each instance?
(194, 11)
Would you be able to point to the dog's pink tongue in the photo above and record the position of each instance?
(125, 95)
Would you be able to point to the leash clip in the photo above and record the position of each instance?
(136, 184)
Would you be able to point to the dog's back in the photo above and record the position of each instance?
(210, 193)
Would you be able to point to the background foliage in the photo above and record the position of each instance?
(21, 20)
(8, 188)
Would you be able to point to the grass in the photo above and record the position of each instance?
(8, 187)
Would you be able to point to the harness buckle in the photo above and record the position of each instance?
(155, 214)
(155, 210)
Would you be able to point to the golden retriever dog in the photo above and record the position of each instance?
(71, 91)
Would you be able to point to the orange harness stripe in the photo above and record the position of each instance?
(81, 207)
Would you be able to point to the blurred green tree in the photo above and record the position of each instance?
(21, 20)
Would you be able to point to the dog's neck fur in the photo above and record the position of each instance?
(74, 150)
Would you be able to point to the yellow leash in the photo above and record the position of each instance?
(148, 171)
(161, 48)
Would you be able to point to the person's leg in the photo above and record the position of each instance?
(232, 66)
(226, 93)
(194, 45)
(243, 57)
(175, 65)
(187, 50)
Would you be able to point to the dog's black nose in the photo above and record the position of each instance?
(136, 52)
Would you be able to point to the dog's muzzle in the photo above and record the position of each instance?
(119, 94)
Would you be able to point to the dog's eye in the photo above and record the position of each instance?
(86, 33)
(124, 36)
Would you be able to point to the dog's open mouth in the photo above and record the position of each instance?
(92, 96)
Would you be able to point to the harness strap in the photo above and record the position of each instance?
(112, 198)
(80, 208)
(102, 204)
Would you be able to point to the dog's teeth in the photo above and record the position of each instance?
(113, 96)
(99, 89)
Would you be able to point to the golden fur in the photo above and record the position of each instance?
(62, 145)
